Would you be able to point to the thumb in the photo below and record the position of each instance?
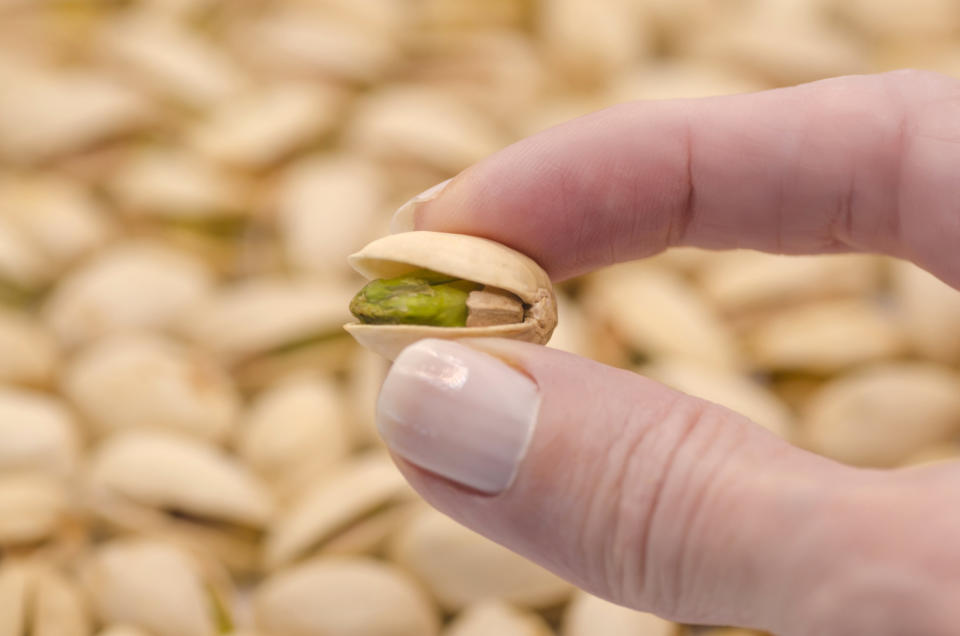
(634, 492)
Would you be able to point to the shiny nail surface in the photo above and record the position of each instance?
(460, 413)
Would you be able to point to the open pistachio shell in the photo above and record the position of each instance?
(465, 257)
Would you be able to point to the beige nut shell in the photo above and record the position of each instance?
(470, 258)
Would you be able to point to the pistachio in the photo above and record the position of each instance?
(858, 418)
(46, 113)
(929, 311)
(497, 617)
(295, 431)
(167, 186)
(587, 615)
(31, 508)
(591, 42)
(131, 286)
(427, 284)
(744, 281)
(366, 487)
(168, 59)
(188, 391)
(268, 327)
(825, 337)
(59, 608)
(419, 298)
(169, 485)
(461, 567)
(258, 129)
(55, 218)
(36, 600)
(122, 630)
(157, 587)
(30, 352)
(302, 41)
(320, 243)
(651, 312)
(421, 126)
(367, 371)
(38, 433)
(346, 597)
(14, 590)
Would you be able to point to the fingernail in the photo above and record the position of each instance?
(459, 413)
(404, 218)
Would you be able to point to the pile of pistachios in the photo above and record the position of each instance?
(187, 444)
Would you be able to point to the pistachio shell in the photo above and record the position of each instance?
(589, 42)
(318, 242)
(679, 79)
(461, 567)
(161, 183)
(56, 217)
(654, 312)
(295, 431)
(30, 352)
(407, 124)
(132, 285)
(45, 114)
(59, 609)
(36, 600)
(22, 268)
(258, 129)
(152, 585)
(367, 372)
(31, 507)
(881, 414)
(346, 597)
(365, 485)
(188, 392)
(934, 454)
(779, 51)
(929, 311)
(38, 433)
(467, 257)
(825, 337)
(496, 617)
(14, 590)
(166, 58)
(263, 315)
(743, 280)
(123, 630)
(587, 615)
(165, 471)
(186, 490)
(307, 42)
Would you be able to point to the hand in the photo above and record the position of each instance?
(648, 497)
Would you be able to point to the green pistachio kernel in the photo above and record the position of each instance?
(422, 297)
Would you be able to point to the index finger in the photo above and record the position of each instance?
(864, 163)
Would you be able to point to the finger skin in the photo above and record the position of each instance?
(862, 163)
(648, 497)
(666, 503)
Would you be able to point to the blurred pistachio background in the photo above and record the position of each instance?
(186, 436)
